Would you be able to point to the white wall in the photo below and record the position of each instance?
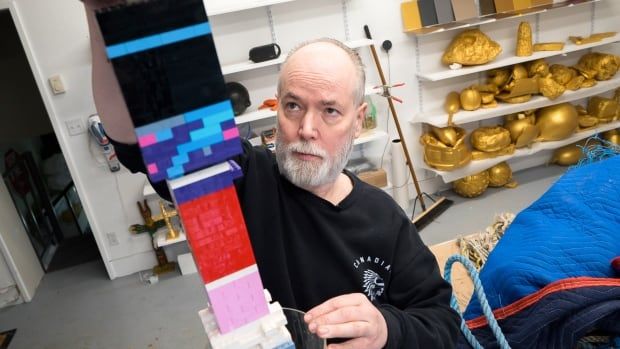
(57, 35)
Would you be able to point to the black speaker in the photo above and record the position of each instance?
(264, 53)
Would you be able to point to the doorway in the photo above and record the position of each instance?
(33, 167)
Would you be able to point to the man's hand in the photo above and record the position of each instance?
(349, 316)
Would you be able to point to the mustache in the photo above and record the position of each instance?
(306, 148)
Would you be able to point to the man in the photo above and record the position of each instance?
(324, 241)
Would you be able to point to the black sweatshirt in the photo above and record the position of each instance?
(309, 250)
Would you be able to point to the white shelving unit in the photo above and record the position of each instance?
(473, 22)
(481, 165)
(249, 65)
(215, 8)
(440, 118)
(507, 58)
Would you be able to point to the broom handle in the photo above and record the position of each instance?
(395, 116)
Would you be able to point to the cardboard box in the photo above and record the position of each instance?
(427, 12)
(504, 6)
(541, 2)
(410, 14)
(487, 7)
(464, 9)
(378, 178)
(445, 14)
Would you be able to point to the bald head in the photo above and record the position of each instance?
(327, 56)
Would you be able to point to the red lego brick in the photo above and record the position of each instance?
(217, 235)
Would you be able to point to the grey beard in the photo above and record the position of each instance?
(308, 175)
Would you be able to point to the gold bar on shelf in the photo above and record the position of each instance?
(549, 46)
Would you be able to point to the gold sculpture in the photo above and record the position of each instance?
(602, 108)
(515, 100)
(470, 99)
(524, 40)
(452, 105)
(549, 46)
(446, 135)
(498, 77)
(567, 155)
(575, 83)
(442, 156)
(500, 175)
(599, 66)
(539, 67)
(562, 74)
(579, 40)
(588, 83)
(550, 88)
(556, 122)
(483, 155)
(522, 128)
(587, 122)
(490, 138)
(471, 47)
(612, 136)
(472, 186)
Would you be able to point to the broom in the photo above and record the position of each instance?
(438, 205)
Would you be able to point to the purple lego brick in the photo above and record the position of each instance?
(220, 152)
(228, 124)
(208, 185)
(238, 302)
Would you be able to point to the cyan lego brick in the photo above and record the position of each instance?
(168, 123)
(200, 143)
(217, 112)
(206, 131)
(180, 159)
(164, 135)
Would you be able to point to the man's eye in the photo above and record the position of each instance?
(292, 106)
(332, 112)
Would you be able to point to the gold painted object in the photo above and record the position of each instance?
(562, 74)
(491, 104)
(487, 97)
(539, 67)
(612, 136)
(522, 128)
(500, 175)
(602, 108)
(599, 66)
(588, 83)
(550, 88)
(446, 135)
(443, 157)
(470, 99)
(549, 46)
(490, 139)
(524, 40)
(556, 122)
(567, 155)
(521, 87)
(575, 83)
(498, 77)
(487, 88)
(587, 122)
(452, 105)
(483, 155)
(519, 71)
(472, 186)
(581, 110)
(514, 100)
(580, 40)
(471, 47)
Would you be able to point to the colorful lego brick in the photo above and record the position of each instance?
(238, 302)
(216, 231)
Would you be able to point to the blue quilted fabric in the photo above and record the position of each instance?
(573, 230)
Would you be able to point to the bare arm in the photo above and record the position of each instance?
(106, 90)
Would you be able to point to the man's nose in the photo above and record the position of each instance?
(308, 126)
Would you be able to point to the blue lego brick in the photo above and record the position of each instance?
(216, 112)
(169, 123)
(208, 185)
(205, 132)
(200, 143)
(287, 345)
(225, 125)
(180, 159)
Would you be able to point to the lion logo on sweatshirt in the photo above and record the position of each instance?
(373, 284)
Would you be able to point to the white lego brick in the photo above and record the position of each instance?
(186, 264)
(231, 277)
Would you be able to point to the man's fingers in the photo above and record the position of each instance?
(354, 343)
(333, 304)
(351, 329)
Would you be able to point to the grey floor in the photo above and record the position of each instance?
(81, 308)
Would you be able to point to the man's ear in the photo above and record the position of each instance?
(359, 118)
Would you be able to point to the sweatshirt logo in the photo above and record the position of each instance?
(373, 283)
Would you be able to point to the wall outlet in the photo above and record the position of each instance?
(75, 127)
(112, 239)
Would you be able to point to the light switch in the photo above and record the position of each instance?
(56, 84)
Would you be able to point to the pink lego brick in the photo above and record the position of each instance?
(147, 140)
(152, 168)
(238, 302)
(231, 133)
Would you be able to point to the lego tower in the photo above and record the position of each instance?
(164, 57)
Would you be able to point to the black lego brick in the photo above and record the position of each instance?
(129, 22)
(170, 80)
